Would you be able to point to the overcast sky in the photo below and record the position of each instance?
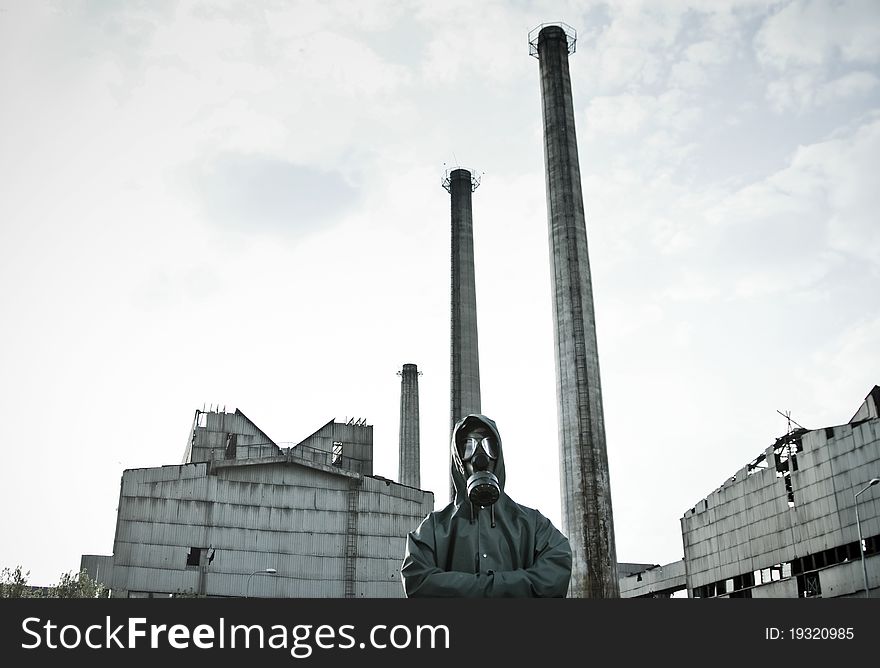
(239, 203)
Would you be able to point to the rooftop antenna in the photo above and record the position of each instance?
(787, 416)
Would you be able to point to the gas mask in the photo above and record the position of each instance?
(479, 454)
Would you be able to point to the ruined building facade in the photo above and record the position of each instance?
(240, 507)
(785, 525)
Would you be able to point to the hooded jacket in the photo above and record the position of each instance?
(467, 551)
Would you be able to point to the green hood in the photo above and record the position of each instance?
(459, 477)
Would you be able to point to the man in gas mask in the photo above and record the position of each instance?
(484, 544)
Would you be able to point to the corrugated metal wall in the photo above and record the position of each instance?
(356, 440)
(247, 518)
(221, 435)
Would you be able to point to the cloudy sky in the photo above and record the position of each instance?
(239, 203)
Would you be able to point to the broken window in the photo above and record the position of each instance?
(203, 419)
(757, 465)
(743, 581)
(231, 446)
(789, 491)
(833, 556)
(775, 573)
(705, 591)
(808, 585)
(336, 459)
(194, 556)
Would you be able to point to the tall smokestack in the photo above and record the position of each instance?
(464, 357)
(586, 488)
(408, 455)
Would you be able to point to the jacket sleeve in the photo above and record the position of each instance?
(549, 574)
(423, 578)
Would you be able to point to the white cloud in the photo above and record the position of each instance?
(805, 90)
(784, 278)
(691, 286)
(632, 49)
(708, 53)
(812, 32)
(620, 114)
(846, 365)
(628, 114)
(801, 222)
(462, 38)
(848, 164)
(849, 85)
(701, 61)
(807, 43)
(688, 74)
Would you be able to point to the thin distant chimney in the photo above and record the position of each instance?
(586, 488)
(464, 353)
(408, 462)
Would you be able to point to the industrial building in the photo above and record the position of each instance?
(791, 523)
(242, 516)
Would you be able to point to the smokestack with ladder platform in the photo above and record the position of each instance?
(464, 353)
(585, 485)
(408, 454)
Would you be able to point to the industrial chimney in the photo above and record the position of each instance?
(585, 485)
(408, 460)
(464, 357)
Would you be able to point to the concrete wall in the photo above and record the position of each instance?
(847, 579)
(780, 589)
(747, 524)
(656, 581)
(328, 532)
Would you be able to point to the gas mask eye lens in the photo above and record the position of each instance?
(471, 445)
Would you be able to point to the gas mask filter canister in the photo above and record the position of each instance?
(483, 488)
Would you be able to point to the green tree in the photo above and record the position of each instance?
(188, 593)
(14, 583)
(79, 585)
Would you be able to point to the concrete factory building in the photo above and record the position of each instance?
(242, 516)
(788, 524)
